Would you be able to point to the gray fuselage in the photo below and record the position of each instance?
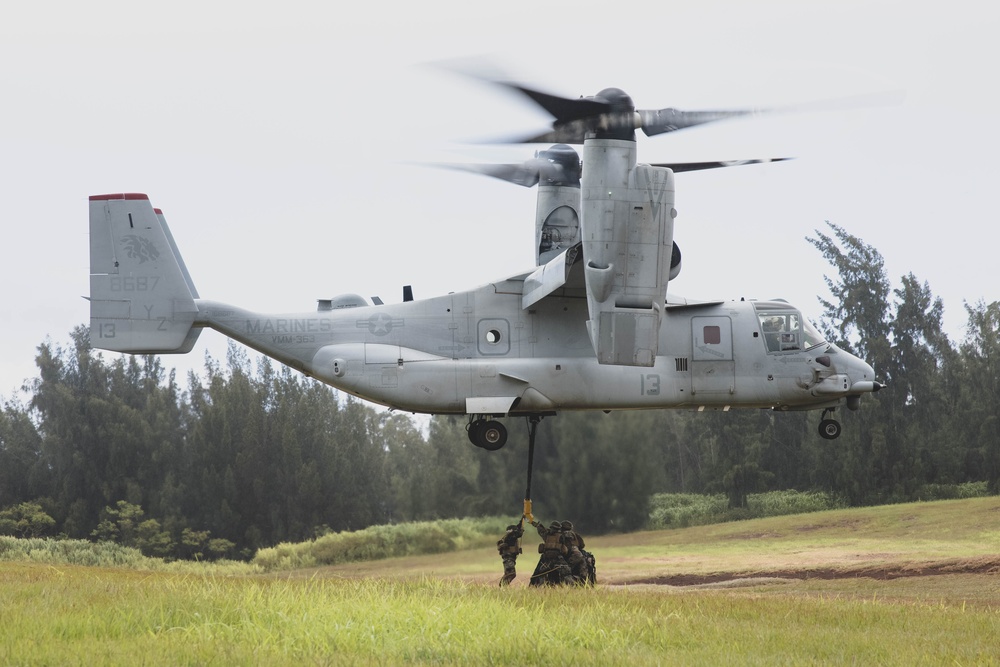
(480, 352)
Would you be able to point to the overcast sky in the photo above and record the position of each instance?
(280, 142)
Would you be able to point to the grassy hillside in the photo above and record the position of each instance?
(791, 590)
(882, 541)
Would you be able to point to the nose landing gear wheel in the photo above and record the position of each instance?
(829, 429)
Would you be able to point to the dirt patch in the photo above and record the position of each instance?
(879, 572)
(850, 524)
(771, 535)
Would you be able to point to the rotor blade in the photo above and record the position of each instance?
(523, 174)
(563, 109)
(571, 117)
(658, 121)
(678, 167)
(573, 132)
(847, 103)
(557, 166)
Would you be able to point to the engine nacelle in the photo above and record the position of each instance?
(627, 229)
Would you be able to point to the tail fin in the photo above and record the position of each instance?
(141, 295)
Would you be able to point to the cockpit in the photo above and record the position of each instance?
(784, 329)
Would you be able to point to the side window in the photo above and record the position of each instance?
(494, 337)
(772, 325)
(712, 335)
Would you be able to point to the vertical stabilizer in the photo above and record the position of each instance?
(141, 295)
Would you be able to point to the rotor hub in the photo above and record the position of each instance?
(566, 163)
(619, 121)
(616, 98)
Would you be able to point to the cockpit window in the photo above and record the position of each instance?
(811, 338)
(785, 330)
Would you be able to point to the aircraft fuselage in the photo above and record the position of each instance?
(480, 352)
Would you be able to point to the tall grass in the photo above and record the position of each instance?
(929, 492)
(77, 616)
(105, 554)
(377, 542)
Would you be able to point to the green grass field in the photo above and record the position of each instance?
(900, 585)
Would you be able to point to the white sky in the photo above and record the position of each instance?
(279, 139)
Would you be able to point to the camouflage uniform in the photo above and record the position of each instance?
(552, 566)
(575, 557)
(509, 547)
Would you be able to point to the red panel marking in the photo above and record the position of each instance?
(122, 195)
(157, 211)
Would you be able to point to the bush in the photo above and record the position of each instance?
(952, 491)
(104, 554)
(680, 510)
(377, 542)
(25, 520)
(69, 552)
(780, 503)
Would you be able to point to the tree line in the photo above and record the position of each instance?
(249, 454)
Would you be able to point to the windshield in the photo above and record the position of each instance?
(784, 329)
(811, 337)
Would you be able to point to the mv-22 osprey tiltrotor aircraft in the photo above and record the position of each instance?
(590, 328)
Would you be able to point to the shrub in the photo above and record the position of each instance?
(25, 520)
(680, 510)
(377, 542)
(104, 554)
(952, 491)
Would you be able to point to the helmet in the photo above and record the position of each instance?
(511, 527)
(555, 525)
(567, 525)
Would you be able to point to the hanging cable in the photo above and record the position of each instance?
(532, 428)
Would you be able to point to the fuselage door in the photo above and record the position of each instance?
(713, 369)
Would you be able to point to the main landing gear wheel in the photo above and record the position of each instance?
(488, 434)
(829, 428)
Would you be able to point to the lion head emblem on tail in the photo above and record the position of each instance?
(137, 247)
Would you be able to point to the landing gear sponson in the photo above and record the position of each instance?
(489, 434)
